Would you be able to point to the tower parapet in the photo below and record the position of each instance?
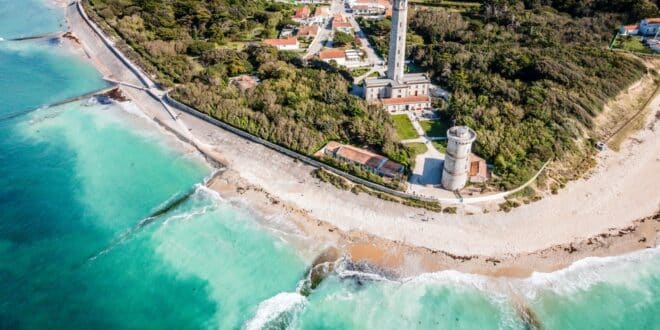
(457, 159)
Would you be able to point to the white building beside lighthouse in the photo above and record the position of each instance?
(399, 91)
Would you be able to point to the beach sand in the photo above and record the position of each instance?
(606, 214)
(405, 260)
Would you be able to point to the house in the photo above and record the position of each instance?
(371, 7)
(649, 26)
(286, 32)
(308, 32)
(410, 92)
(337, 55)
(349, 57)
(654, 44)
(353, 55)
(321, 14)
(363, 158)
(290, 43)
(340, 23)
(301, 13)
(631, 30)
(406, 103)
(478, 169)
(244, 82)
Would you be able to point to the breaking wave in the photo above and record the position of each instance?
(579, 276)
(277, 312)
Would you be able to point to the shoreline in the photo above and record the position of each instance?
(535, 237)
(403, 260)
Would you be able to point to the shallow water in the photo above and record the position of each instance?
(23, 18)
(78, 248)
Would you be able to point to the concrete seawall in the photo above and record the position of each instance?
(305, 159)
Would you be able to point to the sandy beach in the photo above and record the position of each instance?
(614, 211)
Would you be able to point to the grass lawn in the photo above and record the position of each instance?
(435, 128)
(404, 127)
(359, 71)
(631, 44)
(417, 148)
(440, 145)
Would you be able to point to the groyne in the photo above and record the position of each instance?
(39, 36)
(58, 103)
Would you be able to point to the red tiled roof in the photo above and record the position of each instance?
(281, 42)
(478, 166)
(244, 82)
(321, 11)
(631, 27)
(405, 100)
(302, 12)
(363, 157)
(308, 31)
(391, 168)
(360, 156)
(340, 22)
(654, 20)
(332, 53)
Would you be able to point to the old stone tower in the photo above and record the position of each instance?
(397, 54)
(457, 158)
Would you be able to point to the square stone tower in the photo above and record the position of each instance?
(397, 54)
(399, 91)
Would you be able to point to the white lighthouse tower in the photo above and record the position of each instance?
(457, 160)
(399, 91)
(396, 58)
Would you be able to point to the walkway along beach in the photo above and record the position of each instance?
(610, 213)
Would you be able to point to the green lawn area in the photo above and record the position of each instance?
(631, 44)
(417, 148)
(440, 145)
(435, 128)
(404, 127)
(359, 71)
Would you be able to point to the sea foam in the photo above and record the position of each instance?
(274, 308)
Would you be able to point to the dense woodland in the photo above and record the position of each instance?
(528, 75)
(197, 46)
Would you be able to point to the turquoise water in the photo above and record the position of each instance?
(78, 249)
(23, 18)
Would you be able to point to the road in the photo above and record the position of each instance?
(372, 57)
(337, 6)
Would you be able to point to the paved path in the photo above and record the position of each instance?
(372, 57)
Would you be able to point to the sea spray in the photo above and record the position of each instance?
(277, 312)
(585, 273)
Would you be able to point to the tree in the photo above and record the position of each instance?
(342, 39)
